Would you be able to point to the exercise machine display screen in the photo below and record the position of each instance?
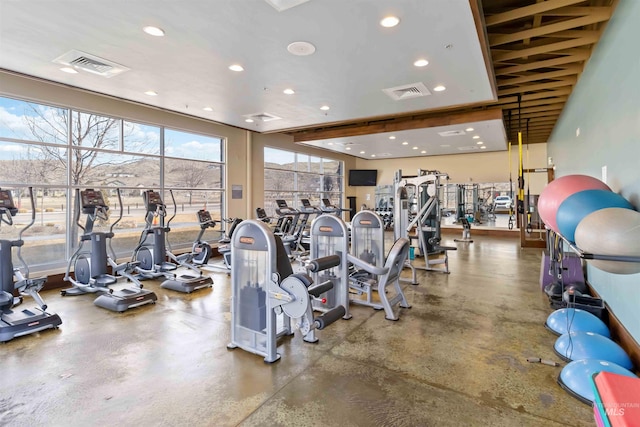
(6, 200)
(204, 217)
(92, 198)
(282, 203)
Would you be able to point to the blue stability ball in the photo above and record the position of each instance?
(575, 378)
(575, 320)
(587, 345)
(579, 205)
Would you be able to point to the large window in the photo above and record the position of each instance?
(58, 150)
(293, 176)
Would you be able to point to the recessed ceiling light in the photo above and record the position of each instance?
(423, 152)
(392, 137)
(415, 148)
(301, 48)
(439, 88)
(329, 143)
(324, 107)
(373, 155)
(476, 137)
(69, 70)
(154, 31)
(208, 109)
(289, 91)
(469, 129)
(347, 148)
(421, 63)
(405, 143)
(483, 147)
(248, 120)
(362, 152)
(151, 93)
(236, 67)
(479, 142)
(390, 21)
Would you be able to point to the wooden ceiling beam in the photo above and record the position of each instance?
(574, 34)
(549, 63)
(534, 103)
(523, 12)
(496, 40)
(546, 48)
(539, 95)
(550, 114)
(432, 120)
(567, 81)
(574, 11)
(538, 109)
(570, 70)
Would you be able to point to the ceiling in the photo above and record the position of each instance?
(534, 48)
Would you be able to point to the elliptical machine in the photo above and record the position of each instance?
(18, 323)
(90, 266)
(151, 254)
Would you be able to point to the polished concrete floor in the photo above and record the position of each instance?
(456, 358)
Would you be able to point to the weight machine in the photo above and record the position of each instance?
(418, 208)
(266, 295)
(373, 274)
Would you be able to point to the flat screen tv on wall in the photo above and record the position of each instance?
(363, 177)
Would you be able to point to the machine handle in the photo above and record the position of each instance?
(329, 317)
(320, 288)
(369, 268)
(323, 263)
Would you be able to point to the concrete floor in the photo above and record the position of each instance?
(456, 358)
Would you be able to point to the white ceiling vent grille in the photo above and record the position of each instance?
(452, 133)
(413, 90)
(90, 63)
(262, 117)
(282, 5)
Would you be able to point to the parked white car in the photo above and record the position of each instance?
(502, 203)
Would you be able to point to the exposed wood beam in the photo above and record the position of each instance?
(538, 109)
(547, 48)
(574, 34)
(574, 69)
(434, 120)
(496, 40)
(537, 21)
(549, 63)
(523, 12)
(551, 114)
(568, 81)
(534, 103)
(539, 95)
(574, 11)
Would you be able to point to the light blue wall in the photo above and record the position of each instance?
(605, 106)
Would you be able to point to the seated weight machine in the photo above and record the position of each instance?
(266, 295)
(373, 274)
(90, 266)
(16, 323)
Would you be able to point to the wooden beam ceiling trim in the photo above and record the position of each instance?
(547, 48)
(534, 103)
(574, 34)
(570, 70)
(539, 109)
(496, 40)
(526, 11)
(568, 81)
(574, 11)
(548, 114)
(539, 95)
(549, 63)
(435, 120)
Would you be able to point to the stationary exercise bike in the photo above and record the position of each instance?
(18, 323)
(90, 265)
(201, 251)
(151, 253)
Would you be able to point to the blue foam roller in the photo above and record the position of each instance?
(587, 345)
(579, 205)
(567, 320)
(575, 378)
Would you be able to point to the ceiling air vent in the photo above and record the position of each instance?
(413, 90)
(452, 133)
(262, 117)
(90, 63)
(282, 5)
